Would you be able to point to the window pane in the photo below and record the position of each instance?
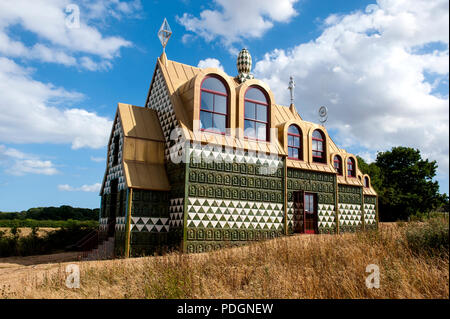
(205, 120)
(295, 152)
(320, 146)
(220, 104)
(293, 129)
(249, 129)
(296, 141)
(256, 95)
(214, 84)
(314, 145)
(290, 140)
(261, 113)
(290, 151)
(220, 122)
(261, 131)
(250, 110)
(207, 101)
(317, 134)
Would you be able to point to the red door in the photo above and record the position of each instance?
(310, 213)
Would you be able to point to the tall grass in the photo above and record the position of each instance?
(325, 266)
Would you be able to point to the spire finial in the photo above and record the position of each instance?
(164, 34)
(244, 66)
(291, 88)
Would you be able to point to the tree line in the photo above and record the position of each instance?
(404, 183)
(64, 212)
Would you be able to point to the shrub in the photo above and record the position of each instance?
(430, 237)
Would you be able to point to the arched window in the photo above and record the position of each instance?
(318, 147)
(256, 114)
(295, 150)
(337, 162)
(351, 170)
(366, 182)
(213, 105)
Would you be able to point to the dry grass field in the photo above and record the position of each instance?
(309, 266)
(25, 231)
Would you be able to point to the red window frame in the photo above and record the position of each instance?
(255, 120)
(299, 148)
(337, 160)
(322, 157)
(214, 112)
(351, 167)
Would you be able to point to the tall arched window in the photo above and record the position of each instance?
(337, 162)
(351, 169)
(213, 105)
(256, 114)
(366, 182)
(295, 150)
(318, 147)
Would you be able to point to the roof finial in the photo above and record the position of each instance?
(244, 66)
(291, 88)
(164, 34)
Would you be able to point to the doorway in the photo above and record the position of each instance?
(305, 213)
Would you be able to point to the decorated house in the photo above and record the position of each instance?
(212, 161)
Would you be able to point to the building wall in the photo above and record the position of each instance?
(315, 182)
(370, 212)
(232, 203)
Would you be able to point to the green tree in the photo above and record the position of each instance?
(406, 184)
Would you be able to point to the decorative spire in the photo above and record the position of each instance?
(244, 66)
(164, 34)
(291, 88)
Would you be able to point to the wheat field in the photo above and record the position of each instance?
(307, 266)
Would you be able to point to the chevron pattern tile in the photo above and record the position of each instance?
(150, 224)
(369, 214)
(349, 214)
(176, 212)
(115, 172)
(160, 102)
(120, 223)
(218, 213)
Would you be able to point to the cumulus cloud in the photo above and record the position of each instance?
(29, 112)
(19, 163)
(56, 42)
(95, 188)
(210, 63)
(98, 159)
(235, 20)
(372, 69)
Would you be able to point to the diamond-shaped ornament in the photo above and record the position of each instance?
(164, 33)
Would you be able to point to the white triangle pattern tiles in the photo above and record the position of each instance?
(349, 214)
(151, 224)
(176, 212)
(210, 212)
(369, 214)
(120, 223)
(160, 102)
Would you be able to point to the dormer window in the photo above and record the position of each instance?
(366, 182)
(318, 147)
(351, 172)
(213, 105)
(256, 115)
(295, 143)
(337, 162)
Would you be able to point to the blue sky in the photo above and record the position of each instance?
(381, 68)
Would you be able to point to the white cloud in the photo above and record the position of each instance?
(235, 20)
(19, 163)
(84, 188)
(95, 188)
(210, 63)
(366, 68)
(56, 42)
(29, 112)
